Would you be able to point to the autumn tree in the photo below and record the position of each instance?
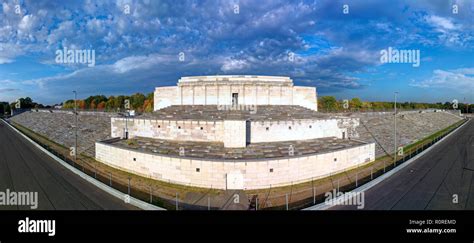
(101, 106)
(92, 105)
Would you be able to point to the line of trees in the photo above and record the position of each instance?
(138, 102)
(330, 103)
(25, 103)
(142, 103)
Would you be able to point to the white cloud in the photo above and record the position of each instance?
(4, 60)
(6, 8)
(27, 23)
(232, 65)
(141, 62)
(8, 52)
(450, 33)
(64, 30)
(441, 23)
(461, 80)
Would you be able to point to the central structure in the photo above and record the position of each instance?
(235, 90)
(234, 132)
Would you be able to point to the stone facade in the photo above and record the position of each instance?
(237, 174)
(242, 90)
(271, 131)
(235, 133)
(180, 130)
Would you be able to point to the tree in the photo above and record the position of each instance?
(119, 101)
(2, 108)
(136, 101)
(355, 103)
(328, 102)
(68, 104)
(81, 104)
(101, 106)
(366, 105)
(92, 105)
(148, 104)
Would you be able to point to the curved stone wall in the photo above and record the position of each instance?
(238, 174)
(234, 133)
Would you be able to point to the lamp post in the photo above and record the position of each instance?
(75, 127)
(395, 129)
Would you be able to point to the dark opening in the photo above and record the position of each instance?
(235, 99)
(247, 132)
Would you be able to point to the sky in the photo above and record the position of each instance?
(335, 46)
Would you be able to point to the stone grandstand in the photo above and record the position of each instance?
(58, 126)
(378, 127)
(375, 127)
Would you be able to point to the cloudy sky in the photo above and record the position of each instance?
(139, 45)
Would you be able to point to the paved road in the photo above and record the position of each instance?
(24, 168)
(432, 181)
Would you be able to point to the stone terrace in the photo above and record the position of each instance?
(374, 125)
(59, 127)
(253, 151)
(255, 113)
(411, 126)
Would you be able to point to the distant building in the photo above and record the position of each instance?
(235, 89)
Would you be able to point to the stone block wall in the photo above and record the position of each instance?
(214, 174)
(248, 94)
(165, 96)
(188, 130)
(306, 97)
(235, 133)
(273, 131)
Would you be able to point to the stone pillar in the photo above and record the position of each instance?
(234, 133)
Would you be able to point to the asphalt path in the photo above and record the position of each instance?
(442, 179)
(25, 168)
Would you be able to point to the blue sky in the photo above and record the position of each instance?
(139, 49)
